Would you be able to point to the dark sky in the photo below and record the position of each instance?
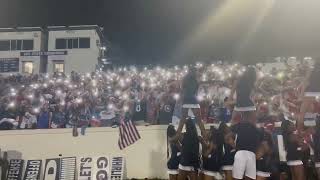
(157, 31)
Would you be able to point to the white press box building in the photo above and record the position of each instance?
(30, 50)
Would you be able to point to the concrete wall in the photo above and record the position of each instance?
(35, 35)
(146, 158)
(80, 60)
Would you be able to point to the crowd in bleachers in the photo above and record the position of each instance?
(147, 95)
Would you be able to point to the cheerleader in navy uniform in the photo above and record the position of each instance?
(242, 88)
(228, 149)
(316, 146)
(295, 147)
(175, 152)
(189, 161)
(190, 103)
(264, 156)
(310, 90)
(211, 157)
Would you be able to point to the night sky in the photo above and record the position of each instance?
(181, 31)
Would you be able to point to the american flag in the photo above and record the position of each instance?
(128, 134)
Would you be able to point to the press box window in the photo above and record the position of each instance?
(27, 67)
(5, 45)
(61, 44)
(27, 44)
(84, 42)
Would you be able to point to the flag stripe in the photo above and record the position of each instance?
(128, 134)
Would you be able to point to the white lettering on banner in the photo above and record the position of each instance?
(15, 169)
(117, 166)
(33, 170)
(100, 168)
(85, 169)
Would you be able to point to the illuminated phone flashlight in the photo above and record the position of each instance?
(125, 96)
(317, 98)
(200, 98)
(45, 85)
(265, 103)
(280, 75)
(79, 100)
(110, 106)
(30, 96)
(36, 110)
(12, 90)
(59, 80)
(87, 74)
(13, 93)
(126, 108)
(11, 104)
(176, 96)
(62, 103)
(58, 92)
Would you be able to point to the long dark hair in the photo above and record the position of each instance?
(247, 80)
(285, 132)
(191, 130)
(171, 131)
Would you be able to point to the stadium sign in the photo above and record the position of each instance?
(101, 168)
(43, 53)
(15, 169)
(33, 170)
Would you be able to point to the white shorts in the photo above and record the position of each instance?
(227, 168)
(173, 171)
(312, 94)
(294, 163)
(317, 164)
(263, 174)
(186, 168)
(249, 108)
(216, 175)
(244, 164)
(191, 106)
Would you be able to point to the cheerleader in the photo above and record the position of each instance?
(228, 149)
(248, 138)
(243, 90)
(211, 156)
(316, 146)
(295, 147)
(310, 90)
(190, 105)
(264, 156)
(175, 152)
(189, 161)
